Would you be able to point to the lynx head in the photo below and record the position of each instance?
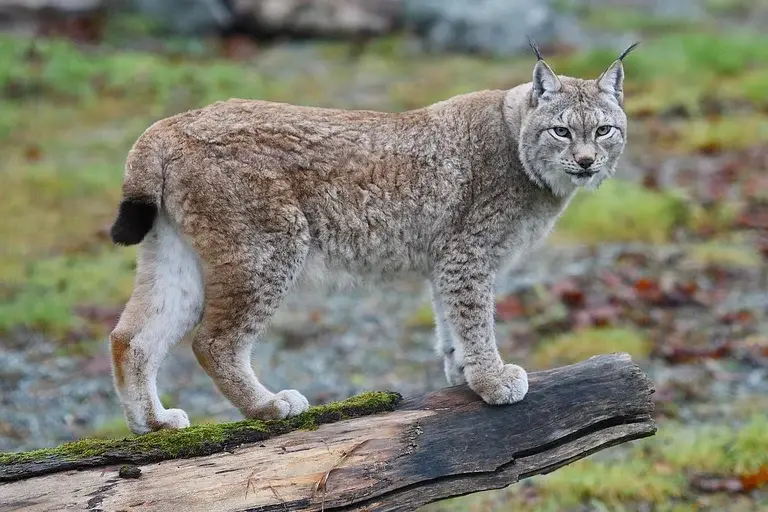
(575, 129)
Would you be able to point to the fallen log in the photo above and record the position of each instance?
(427, 448)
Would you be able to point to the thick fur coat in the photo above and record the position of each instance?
(234, 203)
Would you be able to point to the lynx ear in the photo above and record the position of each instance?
(612, 80)
(545, 81)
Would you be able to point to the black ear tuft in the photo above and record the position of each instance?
(534, 47)
(626, 52)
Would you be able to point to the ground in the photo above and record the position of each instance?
(666, 262)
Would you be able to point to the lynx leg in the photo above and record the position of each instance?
(166, 303)
(466, 292)
(241, 297)
(445, 344)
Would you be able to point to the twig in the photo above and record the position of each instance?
(321, 484)
(277, 495)
(249, 482)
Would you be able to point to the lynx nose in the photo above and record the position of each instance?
(585, 162)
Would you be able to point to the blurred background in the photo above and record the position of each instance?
(666, 262)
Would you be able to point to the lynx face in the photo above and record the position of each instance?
(576, 130)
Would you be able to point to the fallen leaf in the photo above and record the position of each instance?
(753, 217)
(651, 182)
(509, 308)
(717, 484)
(599, 316)
(569, 292)
(742, 317)
(648, 290)
(33, 153)
(755, 480)
(680, 354)
(239, 47)
(688, 289)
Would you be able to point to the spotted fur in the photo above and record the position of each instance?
(251, 197)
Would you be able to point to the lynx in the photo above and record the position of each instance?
(236, 203)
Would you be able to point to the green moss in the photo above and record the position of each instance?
(203, 439)
(582, 344)
(621, 211)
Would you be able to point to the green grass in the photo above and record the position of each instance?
(46, 290)
(725, 133)
(722, 254)
(675, 57)
(621, 211)
(625, 19)
(582, 344)
(68, 117)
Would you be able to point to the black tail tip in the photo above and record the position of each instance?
(134, 220)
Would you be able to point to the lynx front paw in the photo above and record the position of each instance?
(507, 386)
(169, 419)
(285, 404)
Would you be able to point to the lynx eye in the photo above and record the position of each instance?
(561, 132)
(603, 130)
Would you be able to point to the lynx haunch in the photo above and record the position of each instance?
(235, 203)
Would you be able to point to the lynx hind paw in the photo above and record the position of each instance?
(297, 403)
(285, 404)
(506, 387)
(454, 372)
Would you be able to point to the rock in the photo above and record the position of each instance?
(318, 18)
(129, 471)
(80, 19)
(187, 17)
(493, 27)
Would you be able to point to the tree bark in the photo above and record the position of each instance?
(439, 445)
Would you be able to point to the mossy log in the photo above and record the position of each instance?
(375, 452)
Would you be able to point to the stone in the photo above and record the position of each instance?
(36, 17)
(494, 27)
(187, 17)
(318, 18)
